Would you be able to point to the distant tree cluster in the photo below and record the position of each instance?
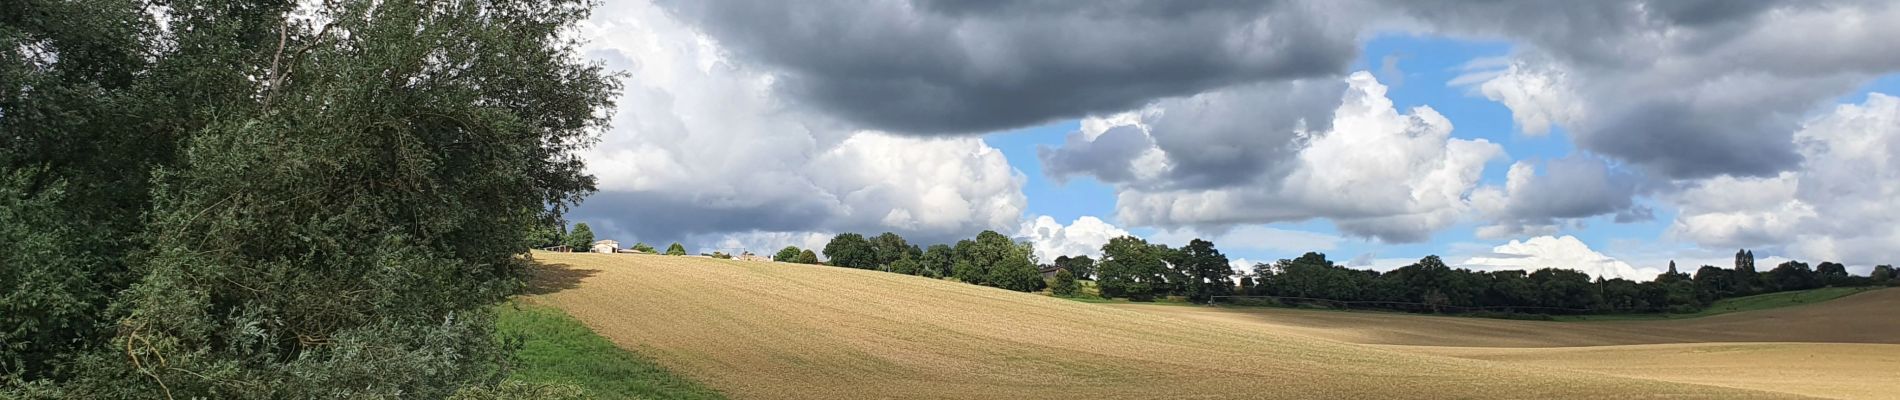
(792, 254)
(1140, 271)
(1430, 285)
(989, 259)
(1134, 269)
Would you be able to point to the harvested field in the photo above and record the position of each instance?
(773, 330)
(1867, 317)
(1837, 370)
(1845, 348)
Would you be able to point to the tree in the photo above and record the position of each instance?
(1791, 275)
(806, 257)
(1130, 268)
(720, 255)
(1064, 284)
(977, 256)
(850, 250)
(642, 247)
(889, 247)
(787, 254)
(1435, 298)
(907, 266)
(675, 249)
(49, 306)
(1683, 297)
(1714, 282)
(1832, 274)
(1564, 288)
(966, 272)
(1015, 274)
(1208, 272)
(581, 238)
(1082, 266)
(280, 201)
(545, 236)
(1883, 274)
(1512, 288)
(937, 261)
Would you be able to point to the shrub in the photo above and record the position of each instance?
(906, 266)
(1063, 284)
(643, 248)
(787, 254)
(676, 249)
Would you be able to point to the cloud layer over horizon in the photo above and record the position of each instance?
(761, 125)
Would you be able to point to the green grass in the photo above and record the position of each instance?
(1736, 304)
(556, 349)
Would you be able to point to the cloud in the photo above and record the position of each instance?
(1374, 172)
(1556, 252)
(1082, 237)
(1839, 205)
(953, 67)
(704, 149)
(1570, 188)
(1205, 140)
(744, 118)
(1686, 90)
(761, 243)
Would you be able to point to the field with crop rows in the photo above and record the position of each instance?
(775, 330)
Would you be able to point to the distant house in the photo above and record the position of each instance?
(1049, 271)
(606, 246)
(748, 256)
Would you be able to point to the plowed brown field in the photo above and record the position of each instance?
(773, 330)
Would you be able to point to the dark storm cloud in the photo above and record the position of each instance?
(1574, 187)
(1109, 157)
(656, 217)
(1208, 140)
(957, 67)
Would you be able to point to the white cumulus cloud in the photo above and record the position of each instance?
(1082, 237)
(1556, 252)
(1840, 205)
(704, 149)
(1374, 172)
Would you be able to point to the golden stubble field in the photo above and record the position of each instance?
(773, 330)
(1846, 348)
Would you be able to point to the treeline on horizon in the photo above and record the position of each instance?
(1137, 270)
(1430, 285)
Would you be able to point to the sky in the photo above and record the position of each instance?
(1612, 137)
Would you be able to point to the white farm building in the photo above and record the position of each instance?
(608, 246)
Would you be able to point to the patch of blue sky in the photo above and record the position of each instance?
(1065, 201)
